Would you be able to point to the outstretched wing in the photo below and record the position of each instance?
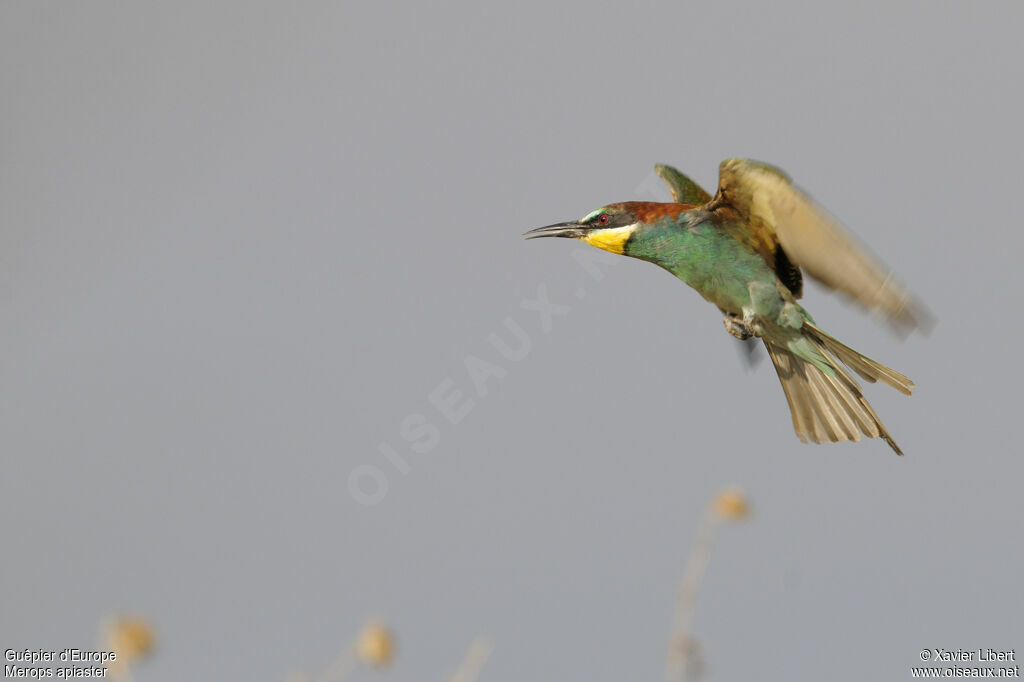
(684, 190)
(774, 209)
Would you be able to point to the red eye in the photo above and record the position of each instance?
(603, 219)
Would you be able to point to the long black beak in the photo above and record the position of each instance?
(570, 229)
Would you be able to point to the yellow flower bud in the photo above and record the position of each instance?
(130, 639)
(376, 645)
(731, 504)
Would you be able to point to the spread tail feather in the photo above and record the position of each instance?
(865, 367)
(828, 408)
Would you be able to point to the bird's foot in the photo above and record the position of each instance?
(737, 327)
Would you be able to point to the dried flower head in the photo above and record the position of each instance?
(130, 638)
(376, 645)
(731, 504)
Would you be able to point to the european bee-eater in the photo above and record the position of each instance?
(744, 250)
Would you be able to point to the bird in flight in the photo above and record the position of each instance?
(745, 250)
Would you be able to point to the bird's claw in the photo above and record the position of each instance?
(737, 327)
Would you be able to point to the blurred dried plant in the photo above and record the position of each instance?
(473, 662)
(731, 504)
(684, 660)
(131, 639)
(375, 646)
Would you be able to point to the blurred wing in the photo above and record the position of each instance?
(814, 240)
(684, 190)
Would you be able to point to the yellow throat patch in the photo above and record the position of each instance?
(611, 239)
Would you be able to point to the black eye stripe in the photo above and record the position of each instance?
(611, 219)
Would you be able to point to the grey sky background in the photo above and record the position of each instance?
(240, 243)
